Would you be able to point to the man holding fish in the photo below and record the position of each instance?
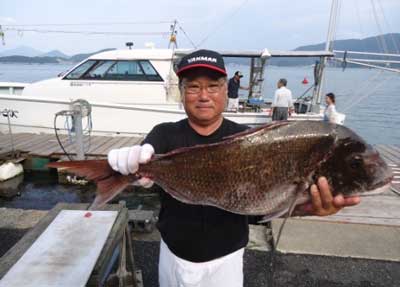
(203, 245)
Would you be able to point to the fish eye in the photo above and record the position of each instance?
(356, 162)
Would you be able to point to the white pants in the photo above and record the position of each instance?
(176, 272)
(233, 104)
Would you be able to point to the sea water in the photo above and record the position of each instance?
(370, 98)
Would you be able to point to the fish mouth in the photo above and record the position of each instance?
(374, 191)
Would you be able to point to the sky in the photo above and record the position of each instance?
(213, 24)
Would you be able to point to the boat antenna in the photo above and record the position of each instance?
(2, 36)
(172, 36)
(129, 45)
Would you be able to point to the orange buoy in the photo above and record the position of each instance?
(305, 81)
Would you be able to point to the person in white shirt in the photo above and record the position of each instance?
(330, 110)
(282, 105)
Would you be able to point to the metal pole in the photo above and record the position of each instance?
(77, 118)
(328, 47)
(11, 135)
(172, 37)
(251, 78)
(10, 114)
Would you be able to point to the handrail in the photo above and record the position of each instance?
(366, 53)
(367, 65)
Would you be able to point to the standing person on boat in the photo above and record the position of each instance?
(203, 246)
(283, 102)
(233, 91)
(330, 110)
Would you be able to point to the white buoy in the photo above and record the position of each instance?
(9, 170)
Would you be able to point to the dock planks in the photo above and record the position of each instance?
(46, 145)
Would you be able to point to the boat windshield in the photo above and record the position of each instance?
(115, 70)
(80, 70)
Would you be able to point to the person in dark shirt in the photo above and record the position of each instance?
(203, 245)
(233, 91)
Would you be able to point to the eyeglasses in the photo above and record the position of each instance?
(192, 88)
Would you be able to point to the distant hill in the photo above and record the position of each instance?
(51, 57)
(29, 60)
(370, 44)
(21, 51)
(55, 53)
(81, 57)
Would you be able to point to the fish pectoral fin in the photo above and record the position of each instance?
(296, 190)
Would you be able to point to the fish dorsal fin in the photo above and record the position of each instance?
(269, 126)
(224, 140)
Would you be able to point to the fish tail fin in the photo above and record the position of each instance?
(108, 188)
(109, 182)
(94, 170)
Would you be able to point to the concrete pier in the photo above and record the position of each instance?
(311, 253)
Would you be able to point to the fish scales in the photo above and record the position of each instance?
(244, 175)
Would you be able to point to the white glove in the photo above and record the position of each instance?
(126, 160)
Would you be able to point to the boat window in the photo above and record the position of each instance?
(125, 71)
(111, 70)
(80, 70)
(151, 73)
(100, 70)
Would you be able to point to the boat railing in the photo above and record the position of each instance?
(133, 106)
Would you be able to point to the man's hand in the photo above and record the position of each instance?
(126, 160)
(322, 201)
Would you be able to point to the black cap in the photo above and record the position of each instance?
(239, 74)
(202, 59)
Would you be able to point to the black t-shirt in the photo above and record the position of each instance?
(196, 233)
(233, 88)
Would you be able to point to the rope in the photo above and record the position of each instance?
(380, 36)
(69, 114)
(292, 205)
(58, 138)
(370, 92)
(360, 89)
(221, 25)
(88, 32)
(390, 28)
(92, 24)
(187, 37)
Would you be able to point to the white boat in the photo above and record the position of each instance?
(129, 91)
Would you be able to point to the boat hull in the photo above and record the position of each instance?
(38, 116)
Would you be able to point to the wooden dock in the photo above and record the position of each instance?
(46, 145)
(391, 154)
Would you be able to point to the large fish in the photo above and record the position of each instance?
(256, 172)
